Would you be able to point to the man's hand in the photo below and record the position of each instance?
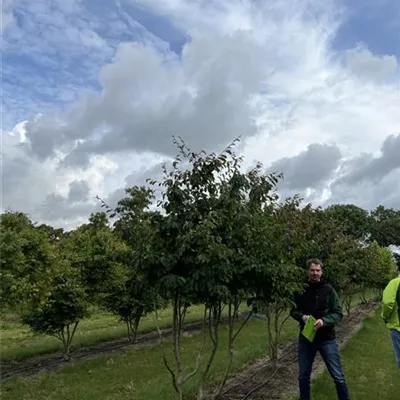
(318, 324)
(305, 318)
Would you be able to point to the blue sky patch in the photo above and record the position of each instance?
(376, 23)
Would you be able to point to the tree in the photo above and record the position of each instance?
(98, 220)
(205, 241)
(381, 267)
(317, 232)
(98, 255)
(188, 230)
(61, 311)
(136, 226)
(346, 267)
(353, 220)
(53, 234)
(385, 226)
(11, 263)
(26, 261)
(277, 277)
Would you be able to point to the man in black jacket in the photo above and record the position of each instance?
(322, 302)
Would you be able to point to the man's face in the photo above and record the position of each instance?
(314, 273)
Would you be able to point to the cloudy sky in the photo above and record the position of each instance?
(92, 93)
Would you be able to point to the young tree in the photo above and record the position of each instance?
(205, 238)
(188, 228)
(346, 267)
(275, 240)
(59, 313)
(137, 227)
(380, 269)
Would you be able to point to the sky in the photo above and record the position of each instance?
(92, 93)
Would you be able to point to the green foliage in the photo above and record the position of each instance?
(26, 261)
(277, 276)
(316, 233)
(61, 311)
(11, 262)
(98, 255)
(54, 234)
(385, 226)
(352, 267)
(98, 221)
(380, 268)
(345, 266)
(354, 221)
(137, 228)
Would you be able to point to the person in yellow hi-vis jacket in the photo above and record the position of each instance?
(391, 311)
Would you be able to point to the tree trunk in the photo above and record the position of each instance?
(214, 318)
(66, 335)
(132, 325)
(231, 338)
(236, 308)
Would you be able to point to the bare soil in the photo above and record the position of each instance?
(262, 380)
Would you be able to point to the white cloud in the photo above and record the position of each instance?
(364, 64)
(6, 16)
(28, 182)
(264, 70)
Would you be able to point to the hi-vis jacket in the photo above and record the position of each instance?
(391, 304)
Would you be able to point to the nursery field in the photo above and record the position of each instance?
(18, 342)
(139, 372)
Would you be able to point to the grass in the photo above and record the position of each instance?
(369, 364)
(18, 342)
(138, 373)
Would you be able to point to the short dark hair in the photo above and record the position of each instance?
(316, 261)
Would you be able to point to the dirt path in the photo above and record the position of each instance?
(260, 380)
(54, 361)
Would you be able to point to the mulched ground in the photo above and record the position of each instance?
(261, 380)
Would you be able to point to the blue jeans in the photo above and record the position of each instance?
(395, 334)
(329, 351)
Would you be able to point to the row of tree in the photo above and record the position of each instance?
(208, 233)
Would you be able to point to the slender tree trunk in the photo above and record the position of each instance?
(231, 339)
(270, 335)
(66, 335)
(236, 307)
(275, 324)
(132, 325)
(348, 300)
(136, 326)
(363, 296)
(179, 378)
(214, 318)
